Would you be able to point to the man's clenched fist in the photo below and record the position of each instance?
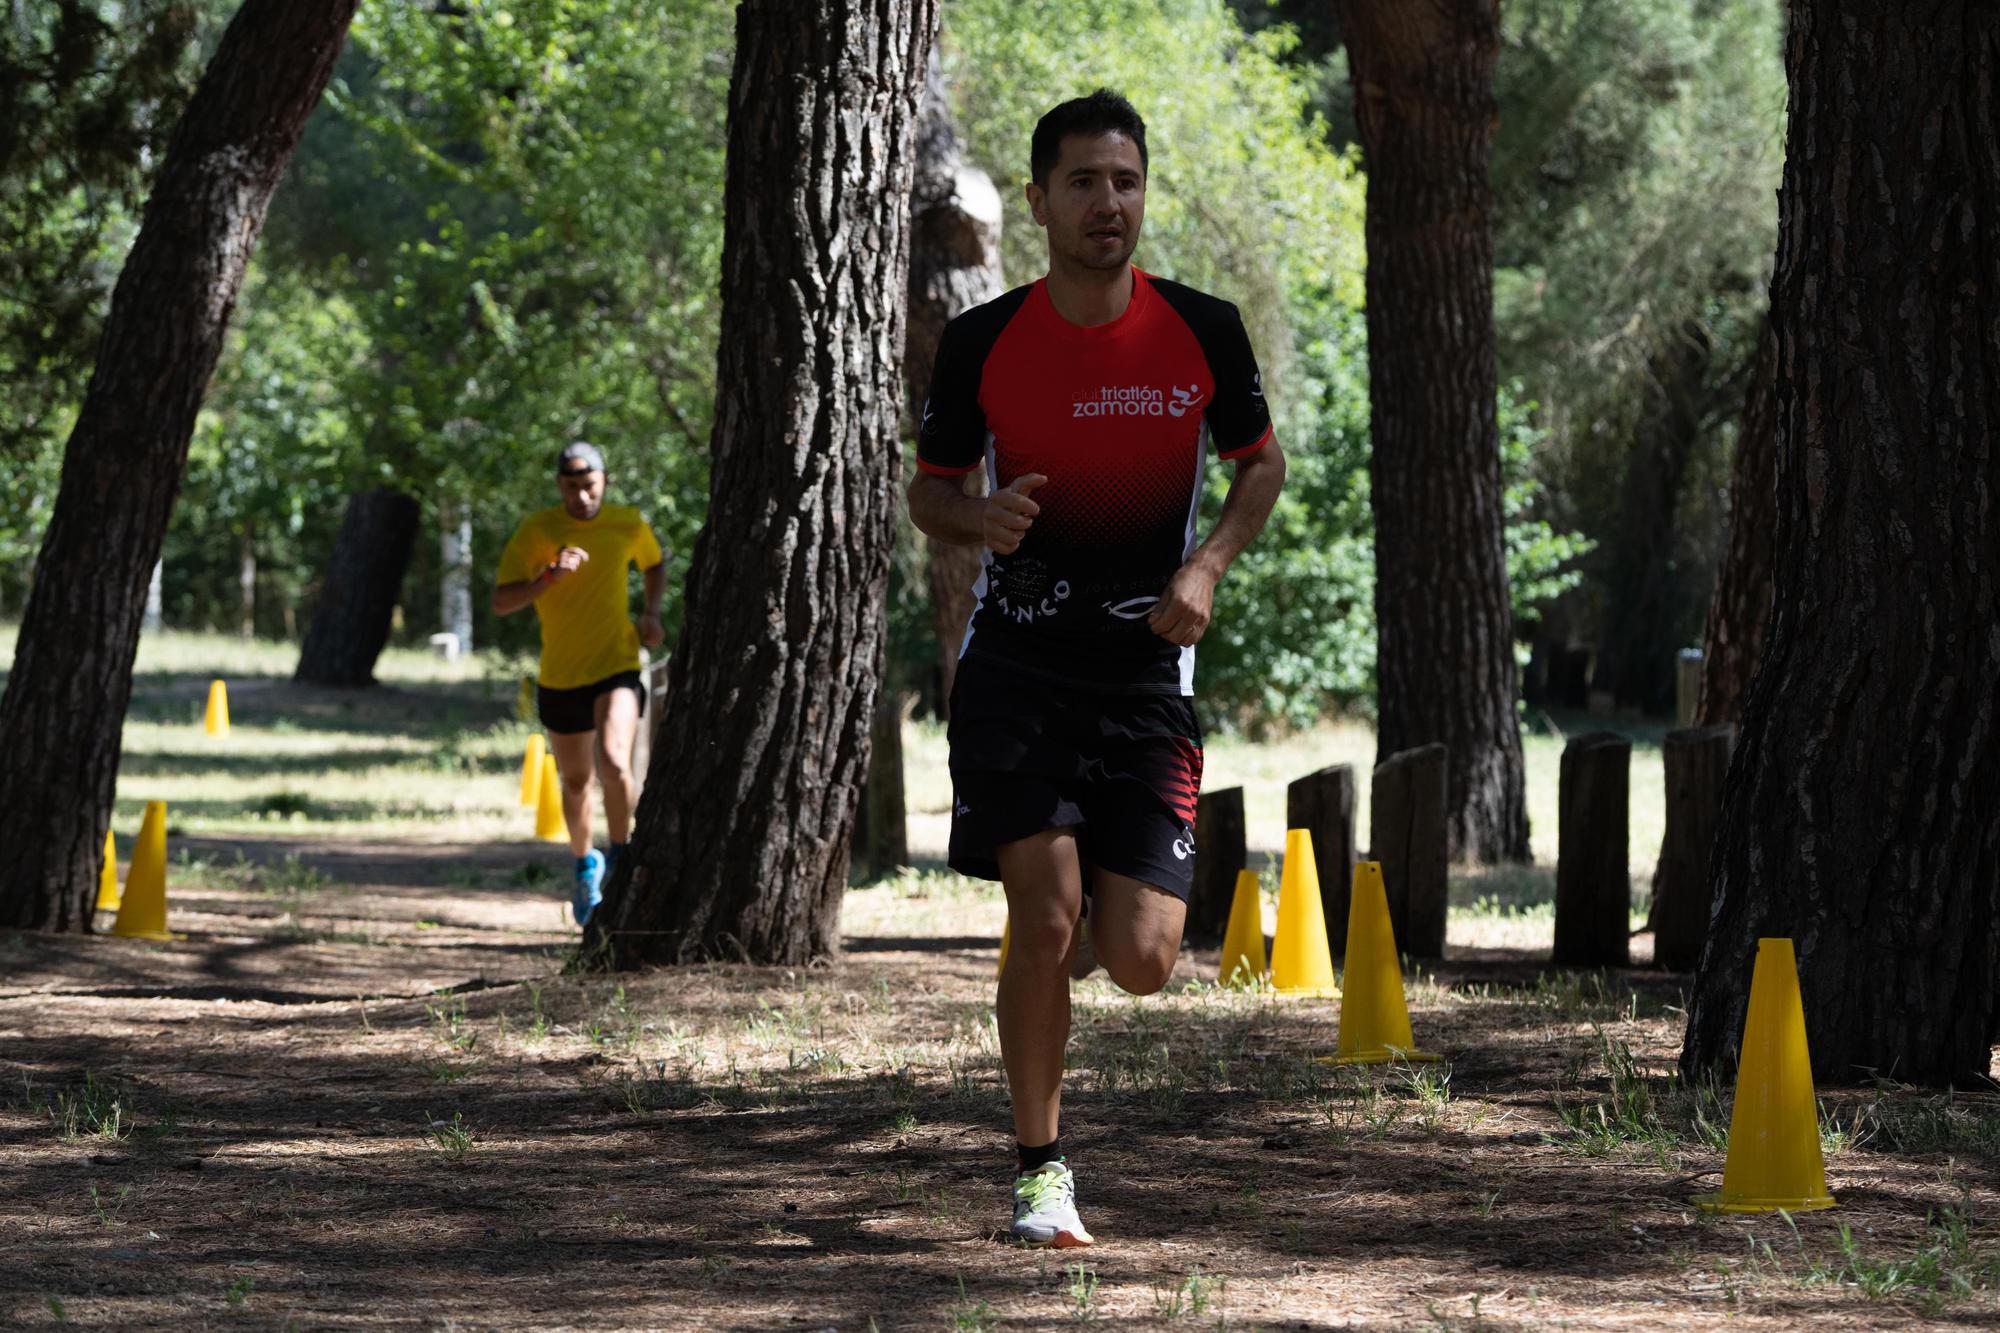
(1010, 513)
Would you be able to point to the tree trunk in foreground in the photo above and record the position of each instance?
(1740, 611)
(954, 266)
(1423, 78)
(72, 679)
(1862, 814)
(357, 603)
(741, 845)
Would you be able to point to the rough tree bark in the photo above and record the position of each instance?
(954, 266)
(1740, 610)
(741, 846)
(357, 602)
(1423, 77)
(1862, 814)
(72, 679)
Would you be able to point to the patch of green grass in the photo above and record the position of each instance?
(1188, 1298)
(239, 1291)
(1082, 1292)
(970, 1316)
(1903, 1119)
(97, 1110)
(1657, 1112)
(1952, 1262)
(107, 1212)
(452, 1137)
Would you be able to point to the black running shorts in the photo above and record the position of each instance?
(567, 712)
(1028, 755)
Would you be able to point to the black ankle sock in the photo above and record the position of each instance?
(1034, 1157)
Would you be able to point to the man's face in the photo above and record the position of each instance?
(582, 492)
(1094, 202)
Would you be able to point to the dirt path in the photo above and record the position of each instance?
(360, 1094)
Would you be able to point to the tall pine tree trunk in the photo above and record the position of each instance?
(1862, 813)
(357, 599)
(741, 846)
(1740, 610)
(1423, 76)
(954, 266)
(64, 708)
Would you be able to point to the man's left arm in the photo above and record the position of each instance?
(1181, 615)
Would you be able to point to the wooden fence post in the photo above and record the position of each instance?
(1323, 802)
(1406, 831)
(1219, 852)
(1593, 869)
(1697, 761)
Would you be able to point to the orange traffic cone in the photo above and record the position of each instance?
(107, 876)
(550, 826)
(1374, 1016)
(531, 771)
(1774, 1155)
(216, 720)
(1243, 942)
(1301, 962)
(142, 909)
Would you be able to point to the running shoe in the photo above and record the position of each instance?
(1045, 1208)
(584, 898)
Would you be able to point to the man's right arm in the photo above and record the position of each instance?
(511, 597)
(940, 508)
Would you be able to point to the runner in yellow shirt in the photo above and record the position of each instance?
(569, 562)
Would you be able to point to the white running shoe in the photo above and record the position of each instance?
(1045, 1208)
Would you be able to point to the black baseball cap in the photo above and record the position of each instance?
(579, 451)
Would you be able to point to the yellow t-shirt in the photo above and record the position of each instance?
(587, 629)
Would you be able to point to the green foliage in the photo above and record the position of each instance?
(88, 93)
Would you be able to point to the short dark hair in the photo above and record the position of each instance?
(1103, 112)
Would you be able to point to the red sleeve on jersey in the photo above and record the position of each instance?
(940, 470)
(1249, 448)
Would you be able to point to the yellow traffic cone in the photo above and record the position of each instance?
(142, 909)
(1243, 943)
(1301, 963)
(216, 720)
(550, 826)
(107, 878)
(1374, 1017)
(531, 771)
(1774, 1156)
(1006, 939)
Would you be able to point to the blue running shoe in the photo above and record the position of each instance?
(584, 898)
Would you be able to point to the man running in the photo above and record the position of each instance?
(569, 562)
(1091, 397)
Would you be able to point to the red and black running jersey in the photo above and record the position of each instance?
(1119, 417)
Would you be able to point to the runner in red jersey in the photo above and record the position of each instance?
(1091, 398)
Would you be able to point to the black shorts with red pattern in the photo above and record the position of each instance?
(1029, 755)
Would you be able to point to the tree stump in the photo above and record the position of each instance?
(1697, 761)
(1219, 852)
(1593, 871)
(1407, 834)
(1323, 803)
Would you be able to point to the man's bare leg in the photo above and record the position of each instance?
(573, 756)
(1044, 883)
(1136, 931)
(617, 713)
